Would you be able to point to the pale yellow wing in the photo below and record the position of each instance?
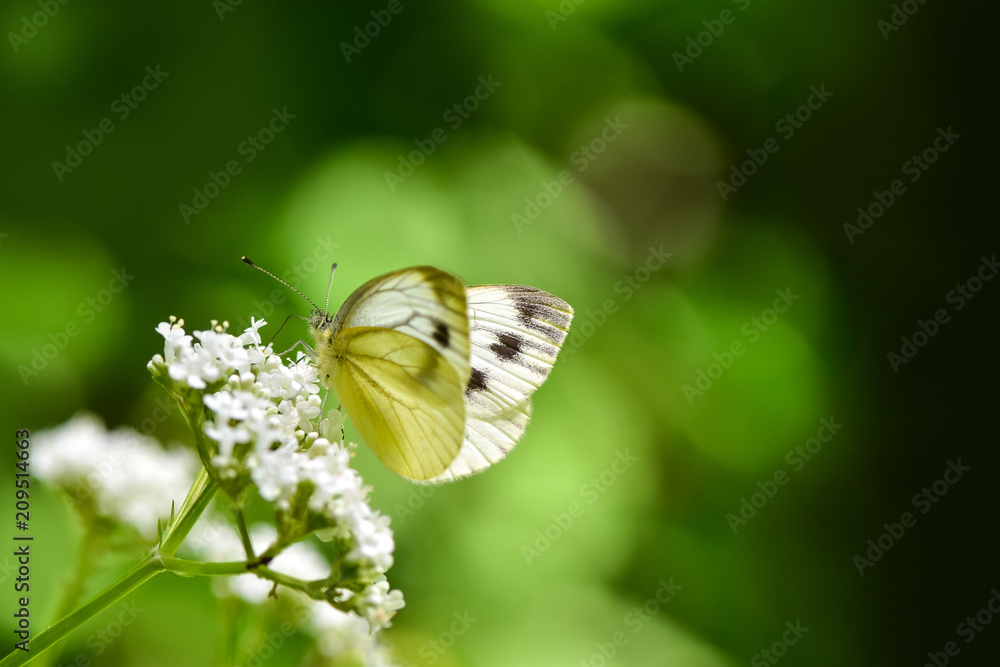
(420, 301)
(404, 398)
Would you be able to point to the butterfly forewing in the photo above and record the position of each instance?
(421, 301)
(515, 333)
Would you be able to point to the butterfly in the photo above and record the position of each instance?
(437, 376)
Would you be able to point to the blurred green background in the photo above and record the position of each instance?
(488, 205)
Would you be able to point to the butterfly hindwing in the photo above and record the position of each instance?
(403, 396)
(515, 333)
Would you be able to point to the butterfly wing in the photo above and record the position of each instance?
(404, 398)
(399, 357)
(421, 301)
(515, 333)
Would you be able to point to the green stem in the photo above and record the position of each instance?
(194, 568)
(58, 630)
(197, 568)
(197, 500)
(241, 522)
(281, 579)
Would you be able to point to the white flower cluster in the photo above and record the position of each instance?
(214, 357)
(263, 421)
(338, 494)
(126, 476)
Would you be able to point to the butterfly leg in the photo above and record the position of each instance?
(311, 352)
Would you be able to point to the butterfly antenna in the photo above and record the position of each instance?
(247, 260)
(330, 286)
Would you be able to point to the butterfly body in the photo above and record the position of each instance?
(437, 376)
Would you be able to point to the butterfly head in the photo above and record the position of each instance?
(319, 322)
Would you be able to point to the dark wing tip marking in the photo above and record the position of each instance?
(538, 310)
(477, 381)
(441, 334)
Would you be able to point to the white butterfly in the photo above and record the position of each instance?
(436, 376)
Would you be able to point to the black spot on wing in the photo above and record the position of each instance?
(441, 334)
(477, 381)
(507, 347)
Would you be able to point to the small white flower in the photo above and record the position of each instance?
(378, 603)
(251, 335)
(175, 339)
(375, 542)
